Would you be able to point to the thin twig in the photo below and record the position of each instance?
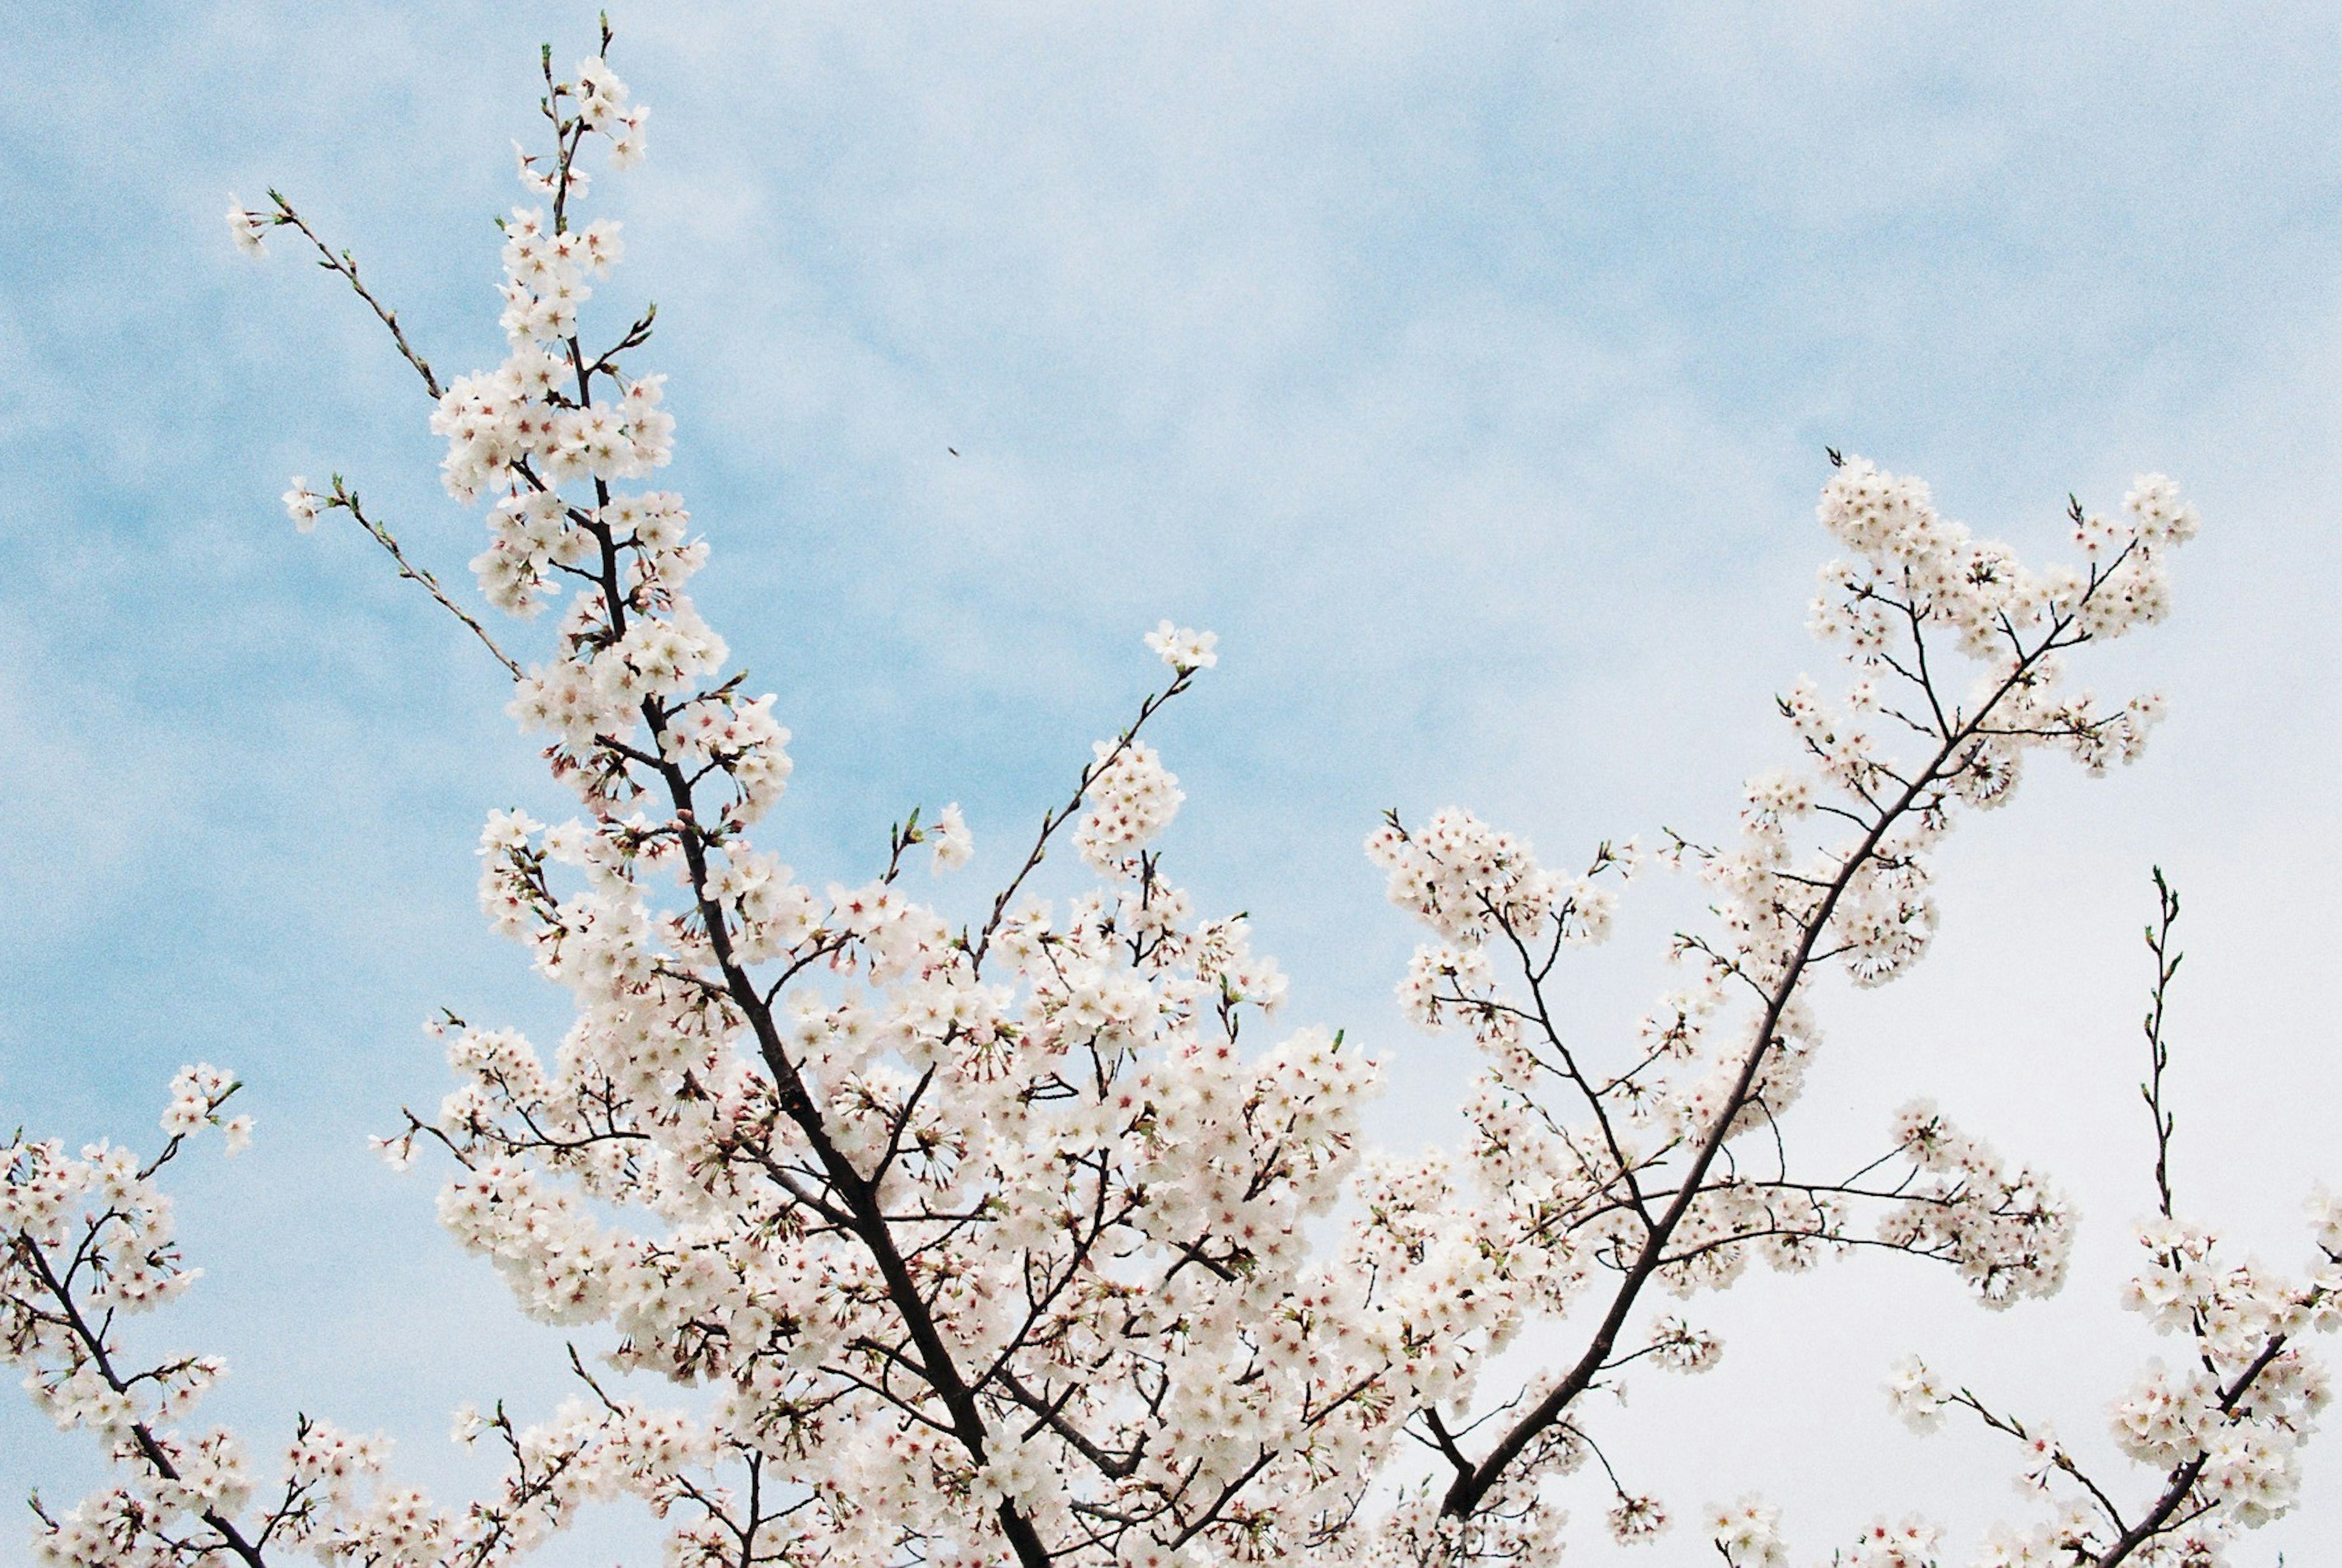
(346, 265)
(347, 500)
(2166, 964)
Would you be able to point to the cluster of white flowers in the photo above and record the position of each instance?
(197, 1094)
(2008, 1234)
(2251, 1394)
(533, 418)
(1678, 1346)
(603, 105)
(99, 1225)
(1635, 1519)
(1917, 1395)
(84, 1243)
(1182, 647)
(1133, 798)
(955, 846)
(1909, 1544)
(1748, 1533)
(1465, 879)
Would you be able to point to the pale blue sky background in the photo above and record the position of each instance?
(1468, 370)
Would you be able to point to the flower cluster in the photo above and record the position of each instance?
(2250, 1395)
(1748, 1533)
(533, 418)
(1909, 1544)
(85, 1244)
(1469, 881)
(2008, 1233)
(1133, 798)
(1182, 647)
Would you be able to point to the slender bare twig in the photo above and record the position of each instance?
(346, 500)
(345, 266)
(2166, 964)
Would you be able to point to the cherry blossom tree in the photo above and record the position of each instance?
(1034, 1241)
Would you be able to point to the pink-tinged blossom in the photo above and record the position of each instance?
(1748, 1533)
(1132, 798)
(1637, 1519)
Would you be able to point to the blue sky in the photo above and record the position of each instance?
(1468, 370)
